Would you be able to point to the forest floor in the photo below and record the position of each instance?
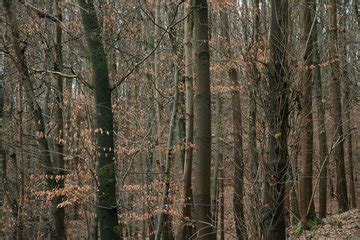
(338, 226)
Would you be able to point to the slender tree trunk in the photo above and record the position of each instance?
(164, 219)
(185, 230)
(21, 198)
(253, 150)
(218, 158)
(277, 162)
(347, 120)
(2, 150)
(347, 103)
(238, 199)
(321, 134)
(341, 186)
(307, 207)
(107, 205)
(237, 129)
(59, 213)
(202, 122)
(159, 153)
(222, 202)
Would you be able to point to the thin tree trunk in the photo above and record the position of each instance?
(218, 158)
(341, 186)
(59, 213)
(2, 150)
(347, 103)
(164, 219)
(323, 149)
(238, 199)
(253, 150)
(21, 199)
(159, 153)
(202, 122)
(107, 204)
(185, 230)
(222, 202)
(237, 130)
(277, 163)
(307, 207)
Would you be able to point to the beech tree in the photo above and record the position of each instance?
(106, 197)
(202, 121)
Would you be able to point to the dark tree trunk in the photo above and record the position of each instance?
(307, 207)
(59, 213)
(202, 122)
(273, 223)
(107, 204)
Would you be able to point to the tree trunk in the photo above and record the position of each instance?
(323, 148)
(253, 150)
(277, 163)
(2, 150)
(341, 186)
(202, 122)
(237, 130)
(185, 230)
(222, 202)
(307, 207)
(218, 159)
(107, 205)
(238, 158)
(164, 219)
(59, 213)
(347, 103)
(159, 153)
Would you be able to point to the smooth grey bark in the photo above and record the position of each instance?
(336, 120)
(202, 122)
(106, 202)
(273, 224)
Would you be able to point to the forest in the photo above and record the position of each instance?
(179, 119)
